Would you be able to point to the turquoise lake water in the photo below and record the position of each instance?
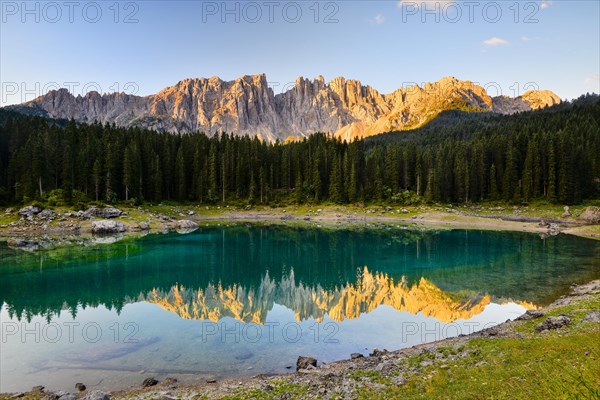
(242, 300)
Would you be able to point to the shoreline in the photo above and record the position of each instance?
(63, 227)
(382, 373)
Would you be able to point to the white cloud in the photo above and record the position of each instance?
(427, 4)
(379, 19)
(544, 4)
(496, 41)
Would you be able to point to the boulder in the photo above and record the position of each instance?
(531, 314)
(553, 323)
(30, 211)
(96, 395)
(149, 382)
(47, 214)
(186, 224)
(144, 226)
(106, 212)
(592, 316)
(305, 362)
(107, 227)
(553, 229)
(80, 386)
(354, 356)
(590, 215)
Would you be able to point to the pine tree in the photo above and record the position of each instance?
(335, 181)
(97, 178)
(528, 173)
(493, 183)
(181, 180)
(551, 191)
(298, 190)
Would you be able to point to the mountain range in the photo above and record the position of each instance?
(248, 106)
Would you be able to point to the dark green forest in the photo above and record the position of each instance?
(551, 154)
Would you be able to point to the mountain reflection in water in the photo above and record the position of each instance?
(344, 302)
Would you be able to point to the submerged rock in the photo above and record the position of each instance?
(246, 355)
(170, 381)
(107, 227)
(22, 244)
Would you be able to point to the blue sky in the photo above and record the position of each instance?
(144, 46)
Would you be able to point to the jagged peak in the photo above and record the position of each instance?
(343, 106)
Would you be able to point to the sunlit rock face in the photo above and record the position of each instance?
(531, 100)
(344, 302)
(248, 106)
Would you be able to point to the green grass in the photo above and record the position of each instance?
(277, 388)
(556, 365)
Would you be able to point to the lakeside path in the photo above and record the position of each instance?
(548, 353)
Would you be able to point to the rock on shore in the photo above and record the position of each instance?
(107, 227)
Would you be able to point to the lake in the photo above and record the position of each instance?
(247, 299)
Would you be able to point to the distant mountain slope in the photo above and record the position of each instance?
(248, 106)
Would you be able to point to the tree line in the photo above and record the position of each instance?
(550, 154)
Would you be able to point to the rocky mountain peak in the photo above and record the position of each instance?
(248, 106)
